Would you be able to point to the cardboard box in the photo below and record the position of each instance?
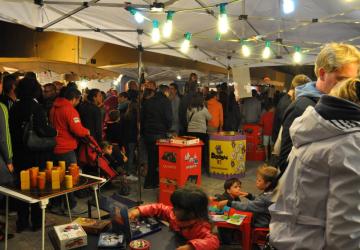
(70, 236)
(93, 226)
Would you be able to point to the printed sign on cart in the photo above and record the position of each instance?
(227, 157)
(191, 160)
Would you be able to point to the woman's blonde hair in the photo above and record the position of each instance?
(348, 89)
(335, 55)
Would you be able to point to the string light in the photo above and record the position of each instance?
(297, 56)
(155, 34)
(167, 30)
(267, 51)
(83, 83)
(186, 43)
(288, 6)
(218, 36)
(223, 22)
(245, 49)
(139, 18)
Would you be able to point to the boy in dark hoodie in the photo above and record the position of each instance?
(232, 190)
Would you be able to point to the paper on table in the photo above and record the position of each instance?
(236, 219)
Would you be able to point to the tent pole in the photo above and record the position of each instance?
(140, 52)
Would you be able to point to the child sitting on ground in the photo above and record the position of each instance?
(188, 216)
(116, 161)
(266, 180)
(232, 190)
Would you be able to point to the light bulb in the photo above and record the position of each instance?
(178, 77)
(155, 34)
(297, 57)
(167, 30)
(185, 46)
(288, 6)
(266, 53)
(223, 23)
(186, 43)
(245, 50)
(83, 84)
(139, 17)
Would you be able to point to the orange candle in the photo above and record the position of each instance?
(62, 172)
(48, 175)
(41, 182)
(62, 164)
(25, 179)
(68, 181)
(74, 172)
(55, 179)
(49, 164)
(34, 171)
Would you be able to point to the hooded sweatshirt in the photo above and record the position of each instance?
(306, 95)
(66, 120)
(317, 201)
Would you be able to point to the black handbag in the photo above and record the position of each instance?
(33, 141)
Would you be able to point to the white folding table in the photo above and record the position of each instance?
(42, 197)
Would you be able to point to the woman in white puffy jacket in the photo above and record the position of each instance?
(318, 198)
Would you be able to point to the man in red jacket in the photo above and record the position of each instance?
(66, 120)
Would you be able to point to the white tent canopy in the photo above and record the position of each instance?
(311, 25)
(164, 74)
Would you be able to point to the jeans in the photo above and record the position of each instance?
(23, 214)
(152, 177)
(130, 150)
(69, 157)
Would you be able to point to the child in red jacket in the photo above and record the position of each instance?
(188, 216)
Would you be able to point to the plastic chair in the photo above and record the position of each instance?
(259, 235)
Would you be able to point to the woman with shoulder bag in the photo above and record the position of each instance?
(197, 118)
(28, 110)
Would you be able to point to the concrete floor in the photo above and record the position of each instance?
(32, 240)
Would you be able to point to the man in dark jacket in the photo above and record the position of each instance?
(334, 63)
(49, 96)
(285, 101)
(156, 122)
(90, 114)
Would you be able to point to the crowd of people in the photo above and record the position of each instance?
(315, 127)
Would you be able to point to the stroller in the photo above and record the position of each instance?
(92, 160)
